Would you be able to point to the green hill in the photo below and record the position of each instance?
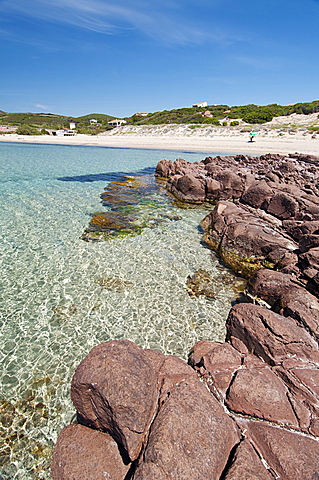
(42, 120)
(248, 113)
(180, 115)
(50, 120)
(251, 113)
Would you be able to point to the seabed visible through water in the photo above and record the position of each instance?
(61, 295)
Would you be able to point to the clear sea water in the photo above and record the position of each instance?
(54, 308)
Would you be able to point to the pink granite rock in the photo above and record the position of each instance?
(282, 206)
(240, 237)
(218, 361)
(187, 188)
(85, 454)
(260, 393)
(191, 436)
(257, 194)
(290, 455)
(269, 335)
(247, 465)
(287, 296)
(115, 389)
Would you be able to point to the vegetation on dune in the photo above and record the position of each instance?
(92, 129)
(253, 114)
(181, 115)
(261, 114)
(28, 130)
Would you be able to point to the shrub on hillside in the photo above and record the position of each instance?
(27, 130)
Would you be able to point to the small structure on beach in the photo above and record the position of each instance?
(116, 122)
(64, 132)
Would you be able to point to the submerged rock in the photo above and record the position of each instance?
(111, 224)
(113, 284)
(200, 283)
(108, 221)
(64, 310)
(18, 420)
(134, 204)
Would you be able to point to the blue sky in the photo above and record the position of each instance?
(74, 57)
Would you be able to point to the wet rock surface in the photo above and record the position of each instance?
(248, 407)
(244, 241)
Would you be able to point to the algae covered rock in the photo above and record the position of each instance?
(244, 241)
(133, 204)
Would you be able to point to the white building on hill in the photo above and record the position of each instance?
(201, 104)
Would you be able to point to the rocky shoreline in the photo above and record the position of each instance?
(248, 407)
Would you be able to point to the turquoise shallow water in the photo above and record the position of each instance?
(54, 307)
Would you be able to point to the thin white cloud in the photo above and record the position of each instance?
(43, 107)
(162, 20)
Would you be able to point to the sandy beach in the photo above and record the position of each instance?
(208, 139)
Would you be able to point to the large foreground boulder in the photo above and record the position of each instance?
(209, 419)
(115, 389)
(154, 408)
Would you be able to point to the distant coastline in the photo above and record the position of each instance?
(185, 137)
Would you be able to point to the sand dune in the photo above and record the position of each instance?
(288, 139)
